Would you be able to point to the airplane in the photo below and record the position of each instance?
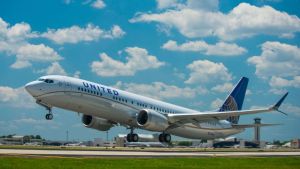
(104, 107)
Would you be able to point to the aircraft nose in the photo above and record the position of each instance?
(32, 88)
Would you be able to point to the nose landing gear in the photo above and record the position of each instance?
(49, 115)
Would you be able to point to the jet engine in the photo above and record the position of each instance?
(96, 123)
(152, 120)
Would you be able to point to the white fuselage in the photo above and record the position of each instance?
(119, 106)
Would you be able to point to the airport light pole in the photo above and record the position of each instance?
(67, 136)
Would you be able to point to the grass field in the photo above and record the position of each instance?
(144, 149)
(7, 162)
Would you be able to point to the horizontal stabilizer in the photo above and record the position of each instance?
(242, 126)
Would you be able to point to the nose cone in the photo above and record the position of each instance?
(33, 88)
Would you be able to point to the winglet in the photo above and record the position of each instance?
(277, 105)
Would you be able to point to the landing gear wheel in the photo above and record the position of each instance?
(161, 138)
(128, 138)
(167, 138)
(132, 137)
(135, 138)
(164, 138)
(49, 116)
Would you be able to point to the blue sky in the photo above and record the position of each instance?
(187, 52)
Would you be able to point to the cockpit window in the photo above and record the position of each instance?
(46, 80)
(49, 81)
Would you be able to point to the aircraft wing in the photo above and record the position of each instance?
(209, 116)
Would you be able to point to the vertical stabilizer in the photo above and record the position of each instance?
(235, 99)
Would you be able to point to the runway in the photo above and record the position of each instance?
(140, 153)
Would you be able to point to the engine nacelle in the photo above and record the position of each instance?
(96, 123)
(152, 120)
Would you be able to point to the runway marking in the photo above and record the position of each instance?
(66, 153)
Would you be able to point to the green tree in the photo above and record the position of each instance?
(184, 143)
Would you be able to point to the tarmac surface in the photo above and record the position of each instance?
(76, 153)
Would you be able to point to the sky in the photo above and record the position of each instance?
(186, 52)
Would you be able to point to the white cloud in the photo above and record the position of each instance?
(204, 71)
(115, 32)
(12, 37)
(14, 41)
(277, 59)
(138, 59)
(277, 91)
(248, 92)
(16, 97)
(98, 4)
(77, 74)
(34, 53)
(75, 34)
(224, 88)
(219, 49)
(278, 63)
(291, 109)
(55, 69)
(178, 74)
(209, 5)
(243, 21)
(279, 82)
(163, 4)
(216, 104)
(159, 90)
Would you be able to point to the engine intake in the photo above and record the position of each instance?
(152, 120)
(96, 123)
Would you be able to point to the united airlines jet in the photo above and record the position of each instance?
(103, 107)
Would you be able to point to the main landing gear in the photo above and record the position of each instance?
(49, 115)
(132, 137)
(164, 138)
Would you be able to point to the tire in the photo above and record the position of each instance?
(167, 138)
(135, 138)
(164, 138)
(161, 138)
(49, 116)
(129, 138)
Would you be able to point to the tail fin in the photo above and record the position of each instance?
(235, 99)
